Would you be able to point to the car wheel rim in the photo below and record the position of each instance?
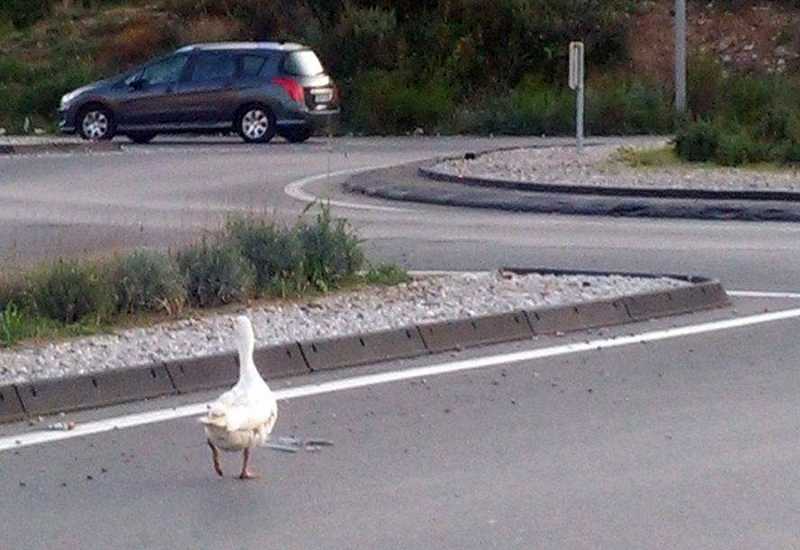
(95, 125)
(255, 124)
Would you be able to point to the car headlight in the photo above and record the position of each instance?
(70, 96)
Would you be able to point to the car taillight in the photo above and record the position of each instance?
(292, 88)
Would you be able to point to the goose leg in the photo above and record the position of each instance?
(246, 473)
(215, 458)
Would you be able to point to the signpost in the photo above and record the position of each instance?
(576, 64)
(680, 56)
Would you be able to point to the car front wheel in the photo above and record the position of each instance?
(96, 123)
(256, 124)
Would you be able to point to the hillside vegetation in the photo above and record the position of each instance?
(441, 65)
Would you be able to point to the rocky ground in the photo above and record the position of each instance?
(425, 299)
(601, 166)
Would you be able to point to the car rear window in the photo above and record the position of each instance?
(303, 63)
(252, 65)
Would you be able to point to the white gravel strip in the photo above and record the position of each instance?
(427, 298)
(597, 166)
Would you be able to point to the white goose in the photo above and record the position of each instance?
(242, 417)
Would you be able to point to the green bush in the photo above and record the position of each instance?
(12, 325)
(697, 141)
(147, 281)
(215, 274)
(275, 253)
(388, 102)
(734, 149)
(386, 275)
(70, 292)
(332, 252)
(618, 106)
(788, 152)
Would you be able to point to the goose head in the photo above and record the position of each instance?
(245, 339)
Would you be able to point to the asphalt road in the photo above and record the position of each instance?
(687, 442)
(683, 443)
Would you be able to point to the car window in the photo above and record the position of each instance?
(303, 63)
(213, 66)
(166, 71)
(252, 65)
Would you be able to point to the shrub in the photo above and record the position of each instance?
(788, 152)
(363, 39)
(12, 325)
(215, 274)
(331, 250)
(622, 106)
(148, 281)
(70, 292)
(209, 29)
(697, 141)
(386, 274)
(388, 102)
(733, 149)
(705, 86)
(275, 253)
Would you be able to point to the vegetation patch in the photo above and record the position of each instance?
(248, 258)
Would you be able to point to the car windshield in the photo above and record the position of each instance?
(303, 63)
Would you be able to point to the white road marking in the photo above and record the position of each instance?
(761, 294)
(507, 359)
(296, 191)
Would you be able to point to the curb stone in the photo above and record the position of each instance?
(38, 148)
(404, 183)
(428, 170)
(184, 376)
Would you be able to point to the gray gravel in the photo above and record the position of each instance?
(427, 298)
(598, 166)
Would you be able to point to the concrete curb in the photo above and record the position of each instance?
(427, 170)
(404, 183)
(39, 148)
(299, 358)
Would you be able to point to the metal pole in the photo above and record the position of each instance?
(580, 116)
(680, 56)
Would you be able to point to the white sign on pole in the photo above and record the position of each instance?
(576, 65)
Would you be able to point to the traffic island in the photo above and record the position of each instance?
(679, 295)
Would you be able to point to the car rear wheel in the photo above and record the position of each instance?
(297, 135)
(141, 137)
(256, 124)
(96, 123)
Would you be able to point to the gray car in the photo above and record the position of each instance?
(256, 89)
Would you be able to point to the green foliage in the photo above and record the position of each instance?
(147, 281)
(332, 250)
(697, 142)
(22, 13)
(623, 106)
(275, 253)
(788, 152)
(388, 102)
(12, 325)
(215, 274)
(646, 158)
(734, 149)
(386, 275)
(70, 292)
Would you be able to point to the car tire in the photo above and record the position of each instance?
(297, 135)
(141, 137)
(96, 123)
(256, 123)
